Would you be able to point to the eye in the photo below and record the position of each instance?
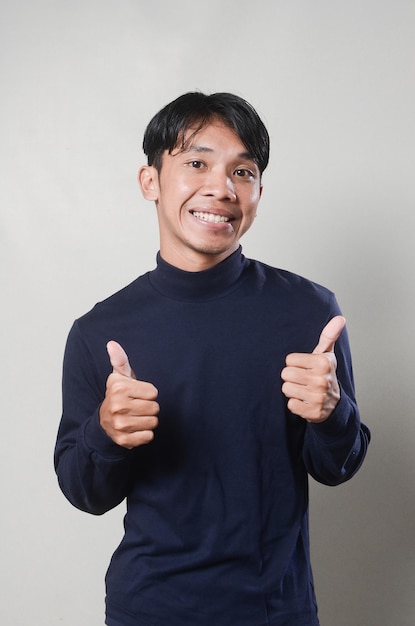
(244, 173)
(197, 165)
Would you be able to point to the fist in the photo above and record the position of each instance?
(129, 412)
(310, 381)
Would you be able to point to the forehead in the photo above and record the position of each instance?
(215, 137)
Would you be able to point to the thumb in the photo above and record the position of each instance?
(119, 359)
(329, 335)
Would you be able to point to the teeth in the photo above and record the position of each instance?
(210, 217)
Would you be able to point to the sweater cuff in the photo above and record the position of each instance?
(339, 420)
(97, 440)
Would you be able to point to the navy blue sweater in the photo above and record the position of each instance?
(216, 530)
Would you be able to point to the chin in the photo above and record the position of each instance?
(216, 250)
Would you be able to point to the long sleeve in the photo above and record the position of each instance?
(94, 473)
(334, 450)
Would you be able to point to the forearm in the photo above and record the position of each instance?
(93, 472)
(335, 449)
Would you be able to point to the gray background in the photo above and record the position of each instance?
(334, 82)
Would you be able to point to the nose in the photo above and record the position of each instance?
(219, 185)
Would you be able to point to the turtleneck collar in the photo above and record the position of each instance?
(199, 286)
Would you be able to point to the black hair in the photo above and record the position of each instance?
(167, 129)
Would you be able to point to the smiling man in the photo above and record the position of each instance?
(205, 392)
(206, 196)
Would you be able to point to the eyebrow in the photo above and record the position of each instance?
(201, 149)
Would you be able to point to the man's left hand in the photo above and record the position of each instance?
(310, 381)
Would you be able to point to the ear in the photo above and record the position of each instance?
(148, 179)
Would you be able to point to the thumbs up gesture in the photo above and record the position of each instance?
(129, 411)
(310, 381)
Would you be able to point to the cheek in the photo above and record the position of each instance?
(174, 187)
(171, 201)
(252, 201)
(182, 180)
(252, 193)
(247, 220)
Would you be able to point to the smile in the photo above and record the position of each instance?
(210, 217)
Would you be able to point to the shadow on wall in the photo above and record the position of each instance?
(362, 541)
(363, 532)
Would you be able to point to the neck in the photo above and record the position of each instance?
(199, 286)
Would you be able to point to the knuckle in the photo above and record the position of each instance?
(118, 424)
(115, 387)
(151, 392)
(324, 386)
(148, 391)
(314, 413)
(116, 407)
(147, 436)
(124, 440)
(148, 422)
(293, 406)
(322, 363)
(142, 437)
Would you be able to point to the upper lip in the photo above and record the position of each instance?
(214, 210)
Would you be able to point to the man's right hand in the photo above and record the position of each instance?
(129, 411)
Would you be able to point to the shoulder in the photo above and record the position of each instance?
(117, 311)
(296, 308)
(118, 301)
(112, 318)
(289, 284)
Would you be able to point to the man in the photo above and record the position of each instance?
(173, 398)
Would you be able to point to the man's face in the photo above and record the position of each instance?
(206, 197)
